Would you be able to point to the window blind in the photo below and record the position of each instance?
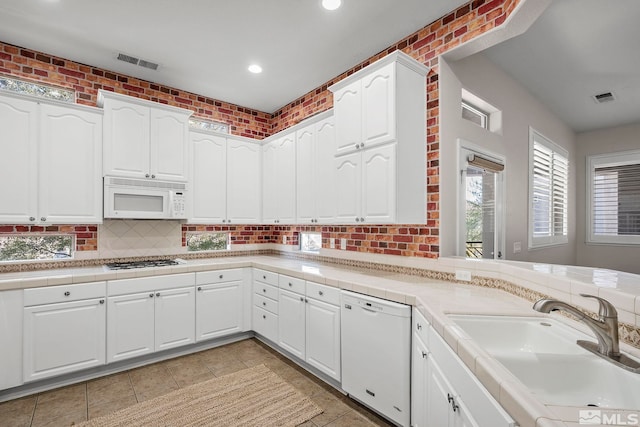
(616, 200)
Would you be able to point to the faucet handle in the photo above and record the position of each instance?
(606, 308)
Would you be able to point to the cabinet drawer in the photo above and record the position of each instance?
(265, 290)
(218, 276)
(265, 276)
(265, 303)
(324, 293)
(420, 326)
(292, 284)
(151, 283)
(64, 293)
(265, 323)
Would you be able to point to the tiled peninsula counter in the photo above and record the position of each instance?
(498, 288)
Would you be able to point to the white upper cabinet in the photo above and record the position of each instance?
(144, 139)
(244, 173)
(315, 173)
(225, 179)
(279, 180)
(380, 135)
(51, 162)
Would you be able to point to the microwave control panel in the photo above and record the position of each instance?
(177, 205)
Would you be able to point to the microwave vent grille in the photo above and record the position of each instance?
(142, 183)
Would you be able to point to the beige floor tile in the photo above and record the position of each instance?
(187, 381)
(64, 419)
(113, 387)
(332, 406)
(306, 386)
(15, 418)
(189, 370)
(106, 407)
(227, 368)
(24, 404)
(74, 392)
(350, 419)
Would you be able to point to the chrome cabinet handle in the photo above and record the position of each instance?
(264, 316)
(264, 290)
(32, 218)
(101, 301)
(452, 400)
(419, 326)
(264, 304)
(264, 277)
(290, 285)
(361, 219)
(157, 294)
(43, 219)
(151, 295)
(146, 175)
(221, 276)
(199, 288)
(224, 220)
(320, 293)
(66, 294)
(153, 176)
(424, 355)
(301, 299)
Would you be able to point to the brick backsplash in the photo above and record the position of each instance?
(425, 45)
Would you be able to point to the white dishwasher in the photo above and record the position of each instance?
(376, 354)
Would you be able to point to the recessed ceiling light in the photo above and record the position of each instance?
(255, 68)
(331, 4)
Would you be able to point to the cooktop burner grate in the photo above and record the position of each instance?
(140, 264)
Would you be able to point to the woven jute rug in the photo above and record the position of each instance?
(251, 397)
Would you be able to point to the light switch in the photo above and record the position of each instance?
(517, 247)
(284, 240)
(343, 244)
(332, 243)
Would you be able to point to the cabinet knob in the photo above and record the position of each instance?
(264, 316)
(101, 301)
(199, 288)
(66, 294)
(43, 219)
(221, 276)
(320, 293)
(151, 295)
(146, 175)
(264, 304)
(153, 176)
(357, 146)
(419, 326)
(362, 145)
(361, 219)
(357, 219)
(224, 220)
(157, 294)
(290, 284)
(264, 277)
(32, 218)
(229, 221)
(301, 299)
(424, 355)
(264, 290)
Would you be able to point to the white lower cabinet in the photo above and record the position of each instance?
(322, 327)
(64, 329)
(219, 303)
(265, 304)
(291, 322)
(158, 315)
(445, 393)
(11, 332)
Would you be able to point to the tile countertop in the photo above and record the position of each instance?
(435, 300)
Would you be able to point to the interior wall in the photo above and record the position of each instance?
(621, 138)
(520, 109)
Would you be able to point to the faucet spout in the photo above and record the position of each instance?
(605, 328)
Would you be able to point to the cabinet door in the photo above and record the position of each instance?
(126, 139)
(130, 326)
(462, 417)
(219, 310)
(348, 188)
(286, 179)
(208, 192)
(175, 318)
(62, 338)
(379, 184)
(378, 106)
(11, 338)
(306, 174)
(419, 378)
(347, 108)
(19, 160)
(270, 182)
(438, 393)
(324, 172)
(243, 182)
(323, 337)
(291, 319)
(70, 172)
(169, 145)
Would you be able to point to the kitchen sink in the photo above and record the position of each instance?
(542, 353)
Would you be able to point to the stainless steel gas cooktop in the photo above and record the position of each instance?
(141, 264)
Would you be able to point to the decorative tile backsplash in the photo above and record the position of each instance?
(139, 238)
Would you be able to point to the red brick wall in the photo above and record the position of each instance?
(459, 26)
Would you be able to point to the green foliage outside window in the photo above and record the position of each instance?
(207, 242)
(17, 248)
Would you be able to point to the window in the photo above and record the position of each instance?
(548, 192)
(197, 242)
(310, 242)
(36, 247)
(475, 115)
(26, 87)
(613, 187)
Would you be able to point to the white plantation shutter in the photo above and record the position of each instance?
(548, 192)
(614, 198)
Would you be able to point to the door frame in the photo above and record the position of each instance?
(466, 147)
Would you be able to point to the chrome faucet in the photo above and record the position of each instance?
(605, 328)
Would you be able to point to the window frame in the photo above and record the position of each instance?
(302, 237)
(631, 157)
(551, 239)
(484, 116)
(30, 235)
(207, 233)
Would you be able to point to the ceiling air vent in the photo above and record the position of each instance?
(135, 61)
(604, 97)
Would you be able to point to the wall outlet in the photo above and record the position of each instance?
(463, 275)
(517, 247)
(332, 243)
(284, 240)
(343, 244)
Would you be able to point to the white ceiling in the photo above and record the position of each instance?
(205, 46)
(577, 49)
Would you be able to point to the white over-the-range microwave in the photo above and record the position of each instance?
(131, 198)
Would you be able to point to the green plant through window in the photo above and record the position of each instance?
(41, 247)
(207, 242)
